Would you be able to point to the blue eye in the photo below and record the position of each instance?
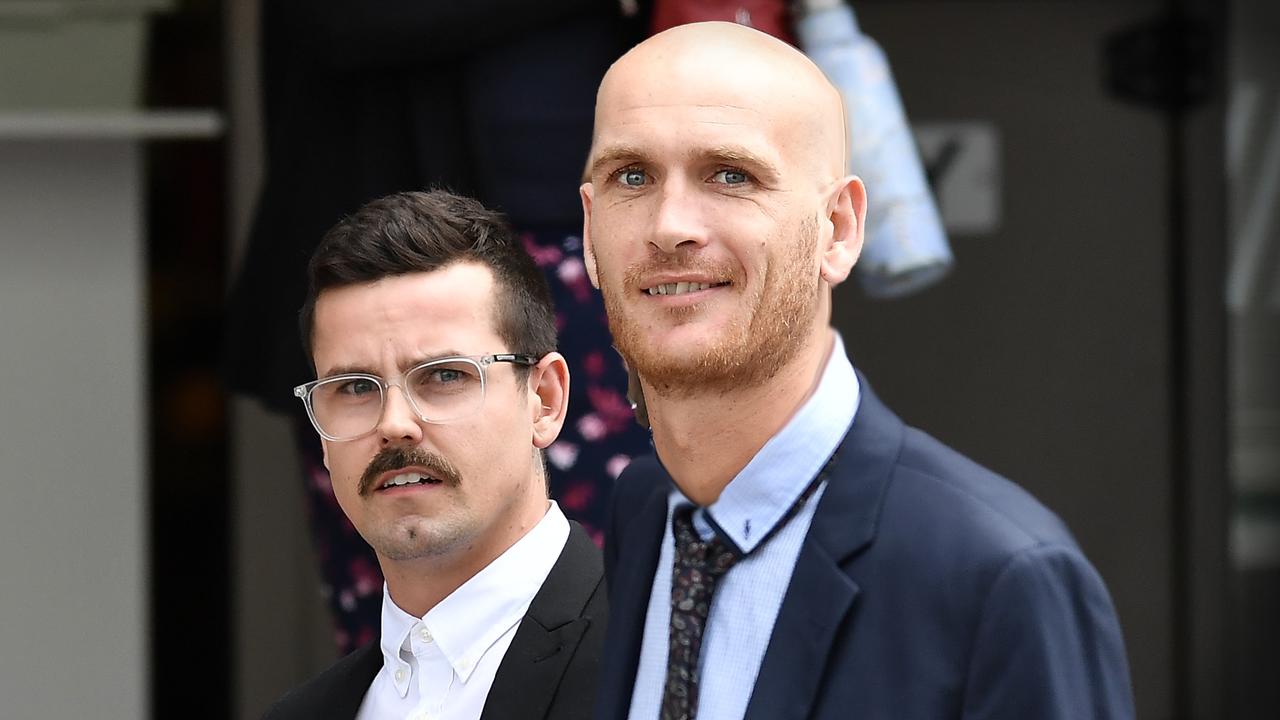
(632, 177)
(730, 177)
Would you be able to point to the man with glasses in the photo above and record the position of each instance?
(794, 550)
(433, 338)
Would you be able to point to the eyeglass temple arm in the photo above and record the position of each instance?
(518, 358)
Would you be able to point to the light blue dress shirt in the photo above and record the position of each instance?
(747, 599)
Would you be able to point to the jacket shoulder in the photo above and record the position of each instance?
(633, 489)
(343, 685)
(639, 479)
(996, 514)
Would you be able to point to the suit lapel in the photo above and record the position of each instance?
(821, 594)
(531, 670)
(347, 691)
(629, 594)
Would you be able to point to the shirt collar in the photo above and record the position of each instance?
(760, 495)
(466, 623)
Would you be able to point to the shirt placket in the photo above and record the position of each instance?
(435, 674)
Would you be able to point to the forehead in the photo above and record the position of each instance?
(681, 112)
(398, 321)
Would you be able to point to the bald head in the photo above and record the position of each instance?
(720, 65)
(718, 215)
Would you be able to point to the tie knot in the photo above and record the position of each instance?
(712, 556)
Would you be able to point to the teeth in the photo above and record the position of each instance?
(405, 479)
(678, 288)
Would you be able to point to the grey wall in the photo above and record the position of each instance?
(73, 547)
(1253, 282)
(1046, 355)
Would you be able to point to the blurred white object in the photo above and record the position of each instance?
(906, 247)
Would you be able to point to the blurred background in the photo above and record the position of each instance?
(1108, 172)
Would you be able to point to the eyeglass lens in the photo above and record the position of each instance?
(440, 392)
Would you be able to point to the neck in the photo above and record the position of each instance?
(418, 585)
(705, 441)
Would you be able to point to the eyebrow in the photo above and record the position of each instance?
(763, 169)
(736, 155)
(615, 155)
(358, 369)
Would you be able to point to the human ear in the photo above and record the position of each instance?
(847, 212)
(587, 191)
(549, 395)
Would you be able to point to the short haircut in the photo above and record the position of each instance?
(412, 232)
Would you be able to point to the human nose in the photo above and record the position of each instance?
(678, 223)
(398, 423)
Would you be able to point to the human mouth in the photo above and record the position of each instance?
(398, 469)
(680, 288)
(406, 479)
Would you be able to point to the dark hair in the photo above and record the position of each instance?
(413, 232)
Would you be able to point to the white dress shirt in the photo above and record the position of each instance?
(441, 666)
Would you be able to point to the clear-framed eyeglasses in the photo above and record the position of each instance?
(349, 406)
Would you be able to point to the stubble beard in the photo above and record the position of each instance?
(418, 537)
(754, 347)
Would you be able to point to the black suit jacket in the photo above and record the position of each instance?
(548, 673)
(927, 588)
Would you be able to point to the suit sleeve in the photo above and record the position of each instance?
(368, 34)
(1048, 645)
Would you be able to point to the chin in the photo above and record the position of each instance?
(420, 539)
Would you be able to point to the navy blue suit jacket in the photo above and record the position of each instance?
(927, 588)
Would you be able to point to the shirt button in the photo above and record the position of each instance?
(400, 676)
(425, 634)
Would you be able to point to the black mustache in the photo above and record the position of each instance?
(394, 458)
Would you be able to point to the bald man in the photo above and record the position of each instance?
(794, 550)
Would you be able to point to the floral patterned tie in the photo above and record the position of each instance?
(698, 566)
